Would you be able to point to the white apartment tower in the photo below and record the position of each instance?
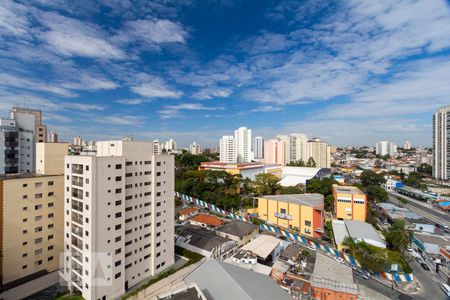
(259, 147)
(157, 147)
(286, 146)
(119, 218)
(386, 148)
(243, 139)
(298, 147)
(320, 152)
(441, 142)
(170, 145)
(227, 149)
(195, 149)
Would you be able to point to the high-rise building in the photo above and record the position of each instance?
(386, 148)
(298, 147)
(227, 151)
(53, 137)
(441, 143)
(77, 141)
(170, 145)
(285, 139)
(320, 153)
(407, 145)
(17, 139)
(195, 148)
(31, 223)
(30, 119)
(274, 152)
(157, 147)
(258, 147)
(119, 221)
(243, 139)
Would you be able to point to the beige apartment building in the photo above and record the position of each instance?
(31, 225)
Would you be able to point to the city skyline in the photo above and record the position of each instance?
(368, 71)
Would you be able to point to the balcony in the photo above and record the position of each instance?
(77, 205)
(11, 144)
(77, 255)
(77, 181)
(77, 242)
(77, 218)
(77, 169)
(77, 193)
(77, 268)
(77, 230)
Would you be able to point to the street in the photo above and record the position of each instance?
(429, 213)
(429, 281)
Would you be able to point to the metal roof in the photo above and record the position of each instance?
(263, 245)
(359, 230)
(332, 275)
(238, 228)
(301, 199)
(219, 280)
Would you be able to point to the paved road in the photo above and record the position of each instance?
(431, 214)
(430, 283)
(382, 289)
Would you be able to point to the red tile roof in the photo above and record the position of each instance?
(187, 211)
(207, 219)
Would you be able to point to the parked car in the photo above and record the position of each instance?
(446, 289)
(425, 266)
(361, 274)
(409, 249)
(339, 259)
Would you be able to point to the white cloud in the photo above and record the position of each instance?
(9, 80)
(133, 101)
(122, 120)
(151, 31)
(83, 106)
(13, 20)
(153, 87)
(71, 37)
(171, 111)
(212, 92)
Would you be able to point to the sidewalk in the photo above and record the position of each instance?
(409, 288)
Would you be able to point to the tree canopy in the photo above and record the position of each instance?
(369, 177)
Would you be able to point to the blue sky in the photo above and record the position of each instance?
(351, 72)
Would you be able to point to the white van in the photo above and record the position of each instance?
(446, 289)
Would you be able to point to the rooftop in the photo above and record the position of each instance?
(292, 252)
(241, 166)
(219, 280)
(262, 245)
(313, 200)
(25, 175)
(207, 219)
(238, 228)
(199, 237)
(332, 275)
(364, 231)
(347, 190)
(187, 292)
(187, 211)
(442, 241)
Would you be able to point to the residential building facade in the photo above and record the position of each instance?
(119, 224)
(386, 148)
(227, 151)
(441, 142)
(31, 222)
(320, 152)
(274, 152)
(258, 147)
(243, 140)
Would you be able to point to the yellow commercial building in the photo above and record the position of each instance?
(350, 203)
(32, 226)
(300, 212)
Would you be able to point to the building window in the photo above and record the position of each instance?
(24, 197)
(38, 241)
(24, 185)
(118, 191)
(117, 275)
(38, 196)
(38, 184)
(118, 178)
(50, 183)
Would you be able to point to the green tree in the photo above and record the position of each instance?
(265, 184)
(369, 177)
(397, 236)
(311, 163)
(296, 163)
(415, 180)
(425, 169)
(296, 189)
(376, 193)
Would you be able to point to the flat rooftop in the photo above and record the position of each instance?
(25, 175)
(442, 241)
(199, 237)
(301, 199)
(347, 190)
(332, 275)
(241, 166)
